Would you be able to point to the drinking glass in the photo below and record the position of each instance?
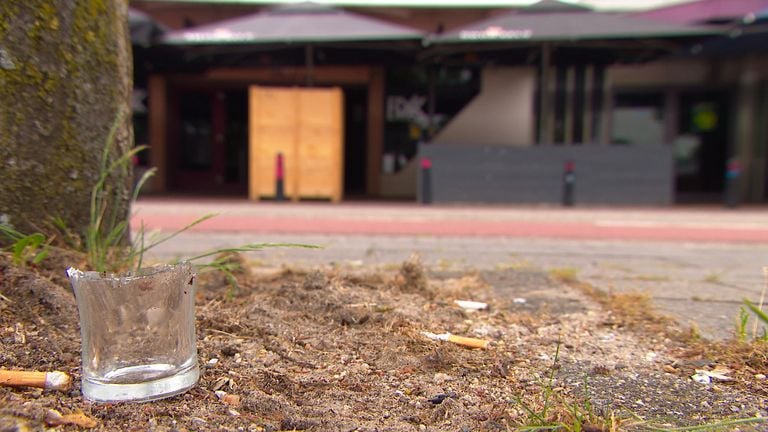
(138, 332)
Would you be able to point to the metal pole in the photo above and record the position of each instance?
(544, 95)
(432, 101)
(732, 175)
(569, 183)
(309, 62)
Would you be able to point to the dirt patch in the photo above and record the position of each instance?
(332, 349)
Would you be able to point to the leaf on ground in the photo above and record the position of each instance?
(55, 418)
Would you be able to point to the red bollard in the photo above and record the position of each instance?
(279, 180)
(732, 174)
(426, 181)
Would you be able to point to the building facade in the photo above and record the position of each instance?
(598, 105)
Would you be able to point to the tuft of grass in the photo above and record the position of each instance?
(759, 331)
(515, 265)
(741, 325)
(714, 278)
(30, 249)
(564, 274)
(761, 316)
(632, 310)
(556, 412)
(758, 310)
(651, 278)
(445, 264)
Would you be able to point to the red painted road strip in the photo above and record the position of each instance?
(566, 230)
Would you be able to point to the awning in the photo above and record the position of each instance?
(703, 11)
(748, 36)
(144, 30)
(517, 27)
(300, 24)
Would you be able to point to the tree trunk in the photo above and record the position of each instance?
(65, 81)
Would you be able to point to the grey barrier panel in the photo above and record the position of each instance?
(629, 175)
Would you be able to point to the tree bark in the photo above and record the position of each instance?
(65, 81)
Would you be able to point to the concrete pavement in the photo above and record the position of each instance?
(698, 264)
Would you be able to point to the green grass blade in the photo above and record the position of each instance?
(140, 184)
(252, 247)
(122, 161)
(137, 248)
(19, 246)
(760, 314)
(175, 233)
(11, 233)
(113, 237)
(40, 256)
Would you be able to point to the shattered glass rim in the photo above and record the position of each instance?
(146, 272)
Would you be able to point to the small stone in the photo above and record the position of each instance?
(760, 376)
(438, 399)
(232, 400)
(441, 378)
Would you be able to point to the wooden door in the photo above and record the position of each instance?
(305, 125)
(320, 148)
(273, 118)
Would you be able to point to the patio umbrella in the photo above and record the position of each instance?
(294, 24)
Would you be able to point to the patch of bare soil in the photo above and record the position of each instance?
(335, 349)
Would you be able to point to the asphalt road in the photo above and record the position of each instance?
(697, 264)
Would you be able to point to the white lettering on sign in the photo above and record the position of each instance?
(495, 32)
(411, 109)
(218, 35)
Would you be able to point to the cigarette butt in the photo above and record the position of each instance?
(46, 380)
(471, 305)
(468, 341)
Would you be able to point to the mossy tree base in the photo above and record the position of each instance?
(65, 78)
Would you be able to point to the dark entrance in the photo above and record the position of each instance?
(210, 154)
(355, 141)
(702, 146)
